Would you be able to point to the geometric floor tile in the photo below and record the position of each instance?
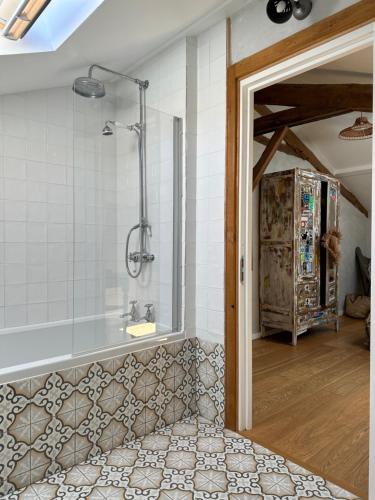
(191, 460)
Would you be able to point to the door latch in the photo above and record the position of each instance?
(242, 269)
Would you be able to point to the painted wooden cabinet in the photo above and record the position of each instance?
(298, 278)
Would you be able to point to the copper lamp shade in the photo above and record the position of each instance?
(362, 129)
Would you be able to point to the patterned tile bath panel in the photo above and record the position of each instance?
(52, 422)
(210, 381)
(190, 460)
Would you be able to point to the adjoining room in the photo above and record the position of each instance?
(312, 266)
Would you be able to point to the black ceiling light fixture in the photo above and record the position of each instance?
(280, 11)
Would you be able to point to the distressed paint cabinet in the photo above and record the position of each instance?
(298, 279)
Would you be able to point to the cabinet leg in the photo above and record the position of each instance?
(337, 325)
(294, 338)
(262, 330)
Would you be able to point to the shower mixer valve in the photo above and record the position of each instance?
(136, 257)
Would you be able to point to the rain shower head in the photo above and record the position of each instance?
(87, 86)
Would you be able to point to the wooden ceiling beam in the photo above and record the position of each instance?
(304, 152)
(283, 147)
(354, 96)
(268, 154)
(293, 117)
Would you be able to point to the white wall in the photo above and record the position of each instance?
(210, 184)
(36, 176)
(252, 31)
(37, 151)
(95, 218)
(356, 232)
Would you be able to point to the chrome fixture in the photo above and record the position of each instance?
(149, 316)
(133, 315)
(280, 11)
(87, 86)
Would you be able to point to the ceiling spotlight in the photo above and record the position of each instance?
(280, 11)
(301, 9)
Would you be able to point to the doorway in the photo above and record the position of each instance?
(311, 401)
(239, 401)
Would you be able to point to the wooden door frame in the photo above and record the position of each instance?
(345, 21)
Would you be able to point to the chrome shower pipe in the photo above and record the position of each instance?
(140, 129)
(141, 83)
(143, 86)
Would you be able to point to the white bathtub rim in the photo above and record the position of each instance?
(59, 363)
(62, 322)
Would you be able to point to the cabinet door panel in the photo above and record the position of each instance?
(308, 228)
(276, 209)
(332, 223)
(276, 266)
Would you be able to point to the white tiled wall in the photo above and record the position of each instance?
(38, 149)
(95, 217)
(36, 196)
(210, 184)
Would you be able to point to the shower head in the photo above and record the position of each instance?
(107, 130)
(110, 124)
(87, 86)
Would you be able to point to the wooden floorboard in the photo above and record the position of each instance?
(311, 402)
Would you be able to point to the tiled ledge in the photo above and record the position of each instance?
(52, 422)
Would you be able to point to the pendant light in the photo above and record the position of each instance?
(362, 129)
(280, 11)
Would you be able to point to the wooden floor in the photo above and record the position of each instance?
(311, 402)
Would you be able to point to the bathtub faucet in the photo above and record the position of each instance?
(133, 311)
(149, 316)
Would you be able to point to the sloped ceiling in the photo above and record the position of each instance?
(117, 34)
(350, 161)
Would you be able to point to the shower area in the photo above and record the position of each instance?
(91, 228)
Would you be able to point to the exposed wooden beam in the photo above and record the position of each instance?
(293, 117)
(296, 143)
(357, 97)
(268, 154)
(305, 153)
(283, 147)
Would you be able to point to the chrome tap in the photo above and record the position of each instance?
(133, 311)
(149, 316)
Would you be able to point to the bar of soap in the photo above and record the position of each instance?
(142, 329)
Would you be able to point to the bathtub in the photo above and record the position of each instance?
(38, 349)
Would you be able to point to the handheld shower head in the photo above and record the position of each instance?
(107, 130)
(87, 86)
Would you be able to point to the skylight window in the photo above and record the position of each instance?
(28, 26)
(18, 16)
